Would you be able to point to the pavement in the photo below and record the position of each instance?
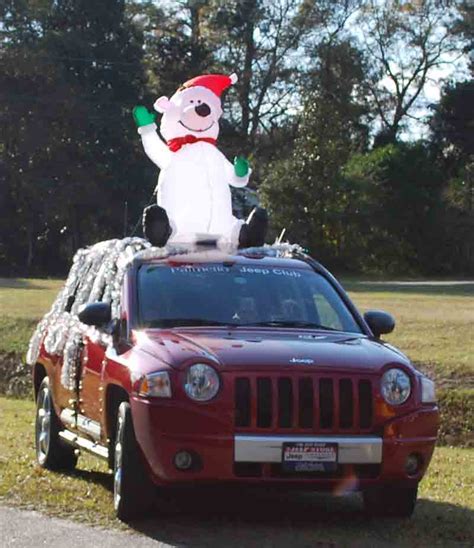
(28, 529)
(237, 518)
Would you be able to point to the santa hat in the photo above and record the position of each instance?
(217, 83)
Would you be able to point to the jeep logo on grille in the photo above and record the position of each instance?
(305, 361)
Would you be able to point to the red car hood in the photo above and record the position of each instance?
(263, 349)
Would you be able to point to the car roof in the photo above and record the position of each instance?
(267, 255)
(255, 259)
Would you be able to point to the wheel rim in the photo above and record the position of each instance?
(43, 425)
(118, 466)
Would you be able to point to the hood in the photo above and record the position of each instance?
(265, 349)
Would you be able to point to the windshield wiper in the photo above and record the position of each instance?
(288, 323)
(183, 322)
(192, 322)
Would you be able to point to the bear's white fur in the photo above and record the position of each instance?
(193, 185)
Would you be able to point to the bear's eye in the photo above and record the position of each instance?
(191, 101)
(199, 101)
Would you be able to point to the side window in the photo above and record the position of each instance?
(100, 296)
(77, 282)
(84, 286)
(121, 311)
(70, 301)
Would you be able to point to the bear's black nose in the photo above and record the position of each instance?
(203, 110)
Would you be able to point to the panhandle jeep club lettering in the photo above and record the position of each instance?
(187, 269)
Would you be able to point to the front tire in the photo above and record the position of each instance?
(392, 502)
(51, 452)
(133, 490)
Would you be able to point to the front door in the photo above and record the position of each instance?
(91, 392)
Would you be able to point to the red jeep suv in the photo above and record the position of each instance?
(200, 365)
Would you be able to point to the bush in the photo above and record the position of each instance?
(15, 376)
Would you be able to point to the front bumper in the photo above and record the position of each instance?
(227, 456)
(351, 449)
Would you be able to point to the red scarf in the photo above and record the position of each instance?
(175, 144)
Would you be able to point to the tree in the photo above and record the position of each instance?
(464, 27)
(175, 47)
(305, 193)
(72, 72)
(452, 136)
(452, 123)
(261, 40)
(405, 43)
(398, 189)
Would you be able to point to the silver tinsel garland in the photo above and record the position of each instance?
(96, 275)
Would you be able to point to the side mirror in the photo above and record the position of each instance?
(97, 314)
(379, 322)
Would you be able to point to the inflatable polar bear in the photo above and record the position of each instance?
(194, 197)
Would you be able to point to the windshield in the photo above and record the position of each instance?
(239, 295)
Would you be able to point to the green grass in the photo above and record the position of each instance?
(444, 515)
(22, 304)
(82, 495)
(434, 326)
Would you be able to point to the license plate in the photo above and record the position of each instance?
(309, 457)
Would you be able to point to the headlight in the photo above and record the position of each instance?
(202, 382)
(155, 385)
(428, 391)
(395, 386)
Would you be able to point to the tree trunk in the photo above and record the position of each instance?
(246, 76)
(76, 228)
(30, 249)
(195, 34)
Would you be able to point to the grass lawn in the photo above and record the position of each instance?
(444, 515)
(22, 304)
(434, 326)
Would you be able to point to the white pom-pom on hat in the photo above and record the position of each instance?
(233, 78)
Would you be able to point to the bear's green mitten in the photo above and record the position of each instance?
(142, 116)
(241, 166)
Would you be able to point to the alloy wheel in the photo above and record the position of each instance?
(43, 425)
(118, 465)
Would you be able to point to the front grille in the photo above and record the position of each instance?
(302, 402)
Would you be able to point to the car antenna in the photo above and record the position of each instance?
(125, 218)
(280, 237)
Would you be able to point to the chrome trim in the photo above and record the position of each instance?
(83, 443)
(82, 423)
(352, 449)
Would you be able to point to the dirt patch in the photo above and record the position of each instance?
(15, 376)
